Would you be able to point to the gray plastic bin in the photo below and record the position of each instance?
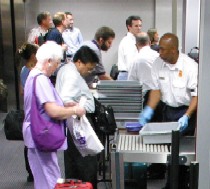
(158, 133)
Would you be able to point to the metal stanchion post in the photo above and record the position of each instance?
(174, 171)
(194, 174)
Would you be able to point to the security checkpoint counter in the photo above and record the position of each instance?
(128, 147)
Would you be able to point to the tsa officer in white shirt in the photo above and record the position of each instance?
(175, 79)
(72, 36)
(127, 48)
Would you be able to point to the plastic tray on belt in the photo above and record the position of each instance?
(133, 126)
(158, 133)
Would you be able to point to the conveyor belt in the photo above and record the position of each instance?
(134, 143)
(133, 150)
(129, 148)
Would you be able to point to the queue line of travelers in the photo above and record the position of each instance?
(158, 66)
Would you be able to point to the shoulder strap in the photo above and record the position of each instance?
(34, 83)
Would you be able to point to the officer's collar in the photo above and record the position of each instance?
(178, 66)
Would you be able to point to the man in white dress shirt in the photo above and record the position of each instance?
(175, 80)
(71, 86)
(72, 36)
(127, 48)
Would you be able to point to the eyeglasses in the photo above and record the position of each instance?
(90, 68)
(91, 71)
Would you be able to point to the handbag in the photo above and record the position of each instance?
(48, 135)
(84, 137)
(13, 124)
(104, 119)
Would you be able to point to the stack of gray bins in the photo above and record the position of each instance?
(125, 97)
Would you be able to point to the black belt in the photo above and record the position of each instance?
(123, 71)
(176, 108)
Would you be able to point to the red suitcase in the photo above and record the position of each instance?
(73, 183)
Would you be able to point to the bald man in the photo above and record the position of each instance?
(140, 69)
(174, 78)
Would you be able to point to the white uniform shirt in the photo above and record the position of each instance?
(140, 69)
(73, 39)
(35, 33)
(126, 51)
(177, 82)
(70, 85)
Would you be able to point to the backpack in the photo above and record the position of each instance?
(104, 119)
(40, 40)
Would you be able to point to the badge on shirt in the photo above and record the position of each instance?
(180, 73)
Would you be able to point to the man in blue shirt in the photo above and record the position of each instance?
(55, 34)
(71, 36)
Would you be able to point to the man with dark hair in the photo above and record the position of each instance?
(127, 48)
(71, 86)
(175, 80)
(102, 41)
(45, 23)
(71, 36)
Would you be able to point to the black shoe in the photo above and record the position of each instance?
(30, 178)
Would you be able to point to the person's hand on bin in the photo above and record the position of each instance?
(146, 115)
(183, 122)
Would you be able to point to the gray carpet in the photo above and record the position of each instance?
(12, 166)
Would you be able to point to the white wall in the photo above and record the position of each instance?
(92, 14)
(203, 118)
(191, 29)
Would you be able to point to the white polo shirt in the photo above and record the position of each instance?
(177, 82)
(140, 69)
(126, 52)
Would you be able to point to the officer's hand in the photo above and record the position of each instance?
(183, 122)
(146, 115)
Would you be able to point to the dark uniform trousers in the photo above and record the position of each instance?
(172, 114)
(78, 167)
